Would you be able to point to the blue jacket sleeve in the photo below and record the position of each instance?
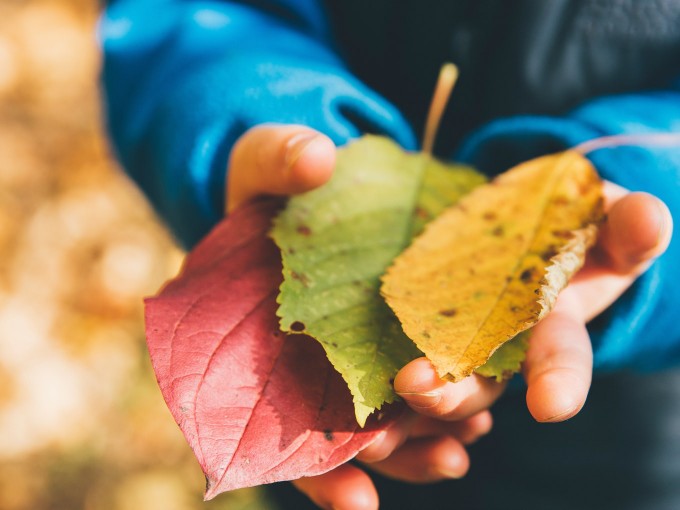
(183, 80)
(641, 329)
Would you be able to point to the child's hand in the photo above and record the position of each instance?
(284, 160)
(429, 445)
(559, 363)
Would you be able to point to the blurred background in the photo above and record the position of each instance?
(82, 422)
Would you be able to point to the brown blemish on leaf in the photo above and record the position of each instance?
(550, 252)
(328, 435)
(297, 327)
(562, 234)
(450, 312)
(421, 213)
(561, 200)
(304, 230)
(490, 216)
(498, 231)
(301, 277)
(425, 334)
(528, 275)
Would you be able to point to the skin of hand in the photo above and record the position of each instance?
(428, 444)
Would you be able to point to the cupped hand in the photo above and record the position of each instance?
(428, 443)
(285, 160)
(559, 362)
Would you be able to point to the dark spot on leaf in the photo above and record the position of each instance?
(528, 275)
(304, 230)
(549, 253)
(356, 282)
(449, 312)
(561, 200)
(515, 308)
(391, 381)
(291, 251)
(562, 234)
(425, 334)
(472, 270)
(421, 213)
(301, 277)
(298, 327)
(498, 231)
(490, 216)
(328, 435)
(508, 279)
(334, 344)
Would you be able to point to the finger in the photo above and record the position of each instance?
(344, 488)
(278, 160)
(426, 460)
(466, 431)
(559, 362)
(388, 440)
(638, 228)
(422, 389)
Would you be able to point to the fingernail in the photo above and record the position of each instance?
(297, 145)
(663, 221)
(564, 415)
(449, 474)
(423, 400)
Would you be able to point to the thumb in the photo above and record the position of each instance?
(278, 160)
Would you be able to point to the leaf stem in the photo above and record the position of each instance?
(639, 139)
(448, 75)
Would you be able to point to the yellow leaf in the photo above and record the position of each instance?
(492, 265)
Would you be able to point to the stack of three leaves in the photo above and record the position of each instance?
(257, 407)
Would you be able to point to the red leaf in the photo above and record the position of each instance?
(256, 407)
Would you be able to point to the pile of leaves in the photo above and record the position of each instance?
(276, 346)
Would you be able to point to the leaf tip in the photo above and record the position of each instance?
(362, 412)
(210, 489)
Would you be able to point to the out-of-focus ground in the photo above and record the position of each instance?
(82, 422)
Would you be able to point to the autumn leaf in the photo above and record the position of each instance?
(337, 241)
(256, 407)
(492, 265)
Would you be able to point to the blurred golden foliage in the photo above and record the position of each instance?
(82, 422)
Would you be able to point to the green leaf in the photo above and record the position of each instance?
(337, 241)
(507, 360)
